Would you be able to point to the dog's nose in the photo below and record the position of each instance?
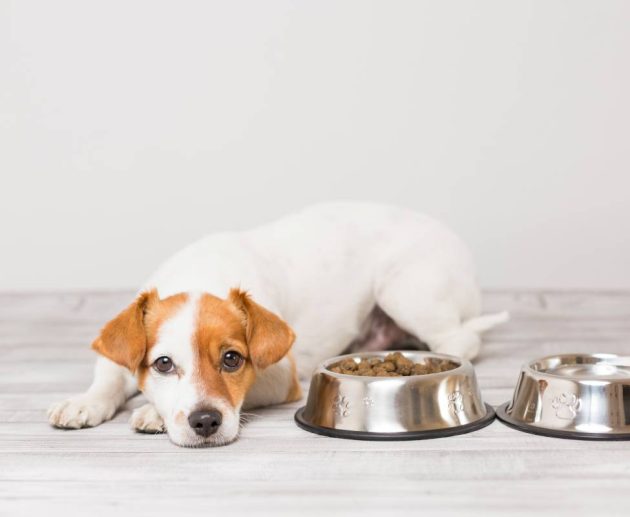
(204, 422)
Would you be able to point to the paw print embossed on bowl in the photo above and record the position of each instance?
(456, 402)
(581, 396)
(566, 405)
(341, 406)
(410, 407)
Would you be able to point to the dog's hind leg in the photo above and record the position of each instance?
(440, 309)
(112, 386)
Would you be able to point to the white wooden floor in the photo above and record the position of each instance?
(277, 468)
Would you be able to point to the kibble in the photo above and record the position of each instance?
(393, 365)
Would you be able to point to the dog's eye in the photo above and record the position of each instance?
(164, 364)
(232, 361)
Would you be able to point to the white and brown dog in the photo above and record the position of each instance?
(200, 349)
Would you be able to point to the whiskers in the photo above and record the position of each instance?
(245, 418)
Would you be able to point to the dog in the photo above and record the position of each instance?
(212, 331)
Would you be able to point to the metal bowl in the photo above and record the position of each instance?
(394, 408)
(581, 396)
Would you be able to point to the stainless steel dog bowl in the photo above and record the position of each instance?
(581, 396)
(394, 408)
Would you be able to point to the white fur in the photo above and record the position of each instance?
(322, 270)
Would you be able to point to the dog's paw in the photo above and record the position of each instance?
(81, 411)
(146, 419)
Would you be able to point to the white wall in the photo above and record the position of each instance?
(128, 129)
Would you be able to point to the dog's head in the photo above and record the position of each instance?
(195, 357)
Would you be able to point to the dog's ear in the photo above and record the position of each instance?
(268, 337)
(124, 339)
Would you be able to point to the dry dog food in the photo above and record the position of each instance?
(393, 365)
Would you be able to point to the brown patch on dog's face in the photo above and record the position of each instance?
(221, 329)
(238, 325)
(155, 316)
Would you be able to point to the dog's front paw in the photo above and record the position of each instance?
(81, 411)
(146, 419)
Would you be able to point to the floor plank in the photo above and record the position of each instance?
(276, 468)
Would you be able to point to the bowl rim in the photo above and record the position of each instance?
(603, 356)
(462, 365)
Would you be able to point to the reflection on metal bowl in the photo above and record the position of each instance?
(580, 396)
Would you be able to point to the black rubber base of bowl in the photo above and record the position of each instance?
(555, 433)
(411, 435)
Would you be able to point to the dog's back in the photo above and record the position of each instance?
(324, 268)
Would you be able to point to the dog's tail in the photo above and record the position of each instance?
(481, 324)
(465, 340)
